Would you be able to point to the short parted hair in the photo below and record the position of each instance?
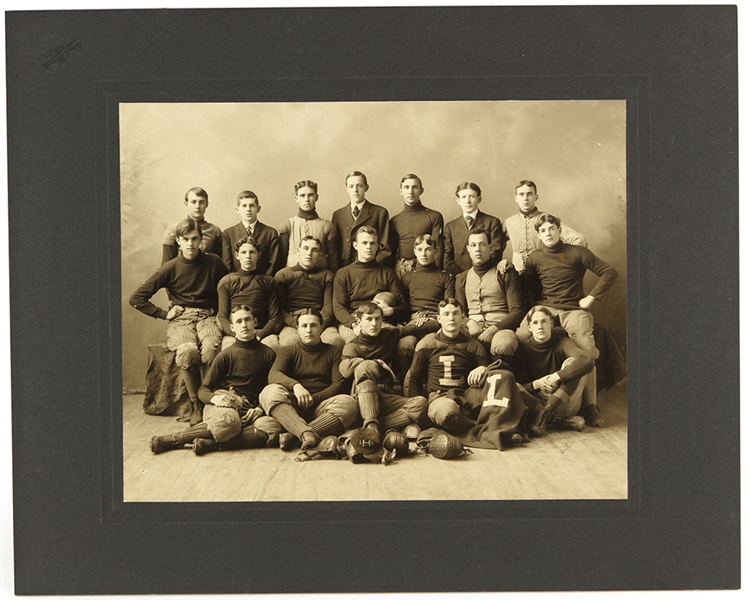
(478, 231)
(248, 194)
(187, 226)
(248, 239)
(306, 183)
(539, 308)
(311, 239)
(426, 238)
(411, 176)
(356, 174)
(365, 229)
(368, 308)
(240, 307)
(450, 302)
(546, 218)
(527, 182)
(468, 185)
(200, 192)
(310, 311)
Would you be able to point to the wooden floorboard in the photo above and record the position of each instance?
(591, 464)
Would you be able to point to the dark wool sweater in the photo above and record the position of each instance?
(364, 347)
(427, 286)
(358, 283)
(510, 285)
(316, 368)
(533, 360)
(411, 222)
(299, 288)
(189, 283)
(243, 366)
(559, 271)
(255, 290)
(444, 365)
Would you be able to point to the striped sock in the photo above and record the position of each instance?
(250, 437)
(194, 432)
(398, 419)
(289, 419)
(368, 400)
(327, 424)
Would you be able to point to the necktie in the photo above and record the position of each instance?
(355, 211)
(249, 231)
(469, 222)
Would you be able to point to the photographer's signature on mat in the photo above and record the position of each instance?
(60, 54)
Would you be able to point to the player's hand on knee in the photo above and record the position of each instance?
(476, 377)
(474, 328)
(304, 398)
(586, 302)
(252, 414)
(486, 336)
(503, 265)
(174, 312)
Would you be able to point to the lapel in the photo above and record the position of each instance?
(363, 213)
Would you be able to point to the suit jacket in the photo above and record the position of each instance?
(456, 258)
(346, 226)
(266, 236)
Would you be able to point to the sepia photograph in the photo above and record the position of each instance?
(429, 298)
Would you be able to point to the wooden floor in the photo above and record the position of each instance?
(591, 464)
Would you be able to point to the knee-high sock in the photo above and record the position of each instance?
(327, 424)
(194, 432)
(398, 419)
(368, 399)
(192, 379)
(249, 437)
(458, 423)
(289, 419)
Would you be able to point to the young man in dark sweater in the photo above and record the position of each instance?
(240, 371)
(371, 359)
(196, 199)
(492, 300)
(360, 212)
(267, 238)
(553, 278)
(414, 220)
(359, 282)
(551, 368)
(192, 330)
(306, 390)
(255, 289)
(306, 285)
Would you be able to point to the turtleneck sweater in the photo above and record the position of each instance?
(189, 283)
(506, 298)
(383, 346)
(256, 290)
(411, 222)
(314, 367)
(533, 360)
(560, 271)
(305, 288)
(243, 366)
(358, 283)
(426, 286)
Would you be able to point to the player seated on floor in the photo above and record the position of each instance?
(306, 285)
(196, 200)
(550, 367)
(232, 419)
(306, 392)
(554, 278)
(192, 331)
(492, 300)
(371, 359)
(360, 281)
(254, 289)
(447, 367)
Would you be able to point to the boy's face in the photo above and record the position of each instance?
(425, 253)
(468, 200)
(243, 325)
(247, 255)
(410, 191)
(479, 249)
(306, 198)
(190, 244)
(540, 326)
(366, 246)
(450, 318)
(526, 198)
(356, 188)
(309, 329)
(196, 206)
(248, 209)
(308, 252)
(372, 323)
(549, 233)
